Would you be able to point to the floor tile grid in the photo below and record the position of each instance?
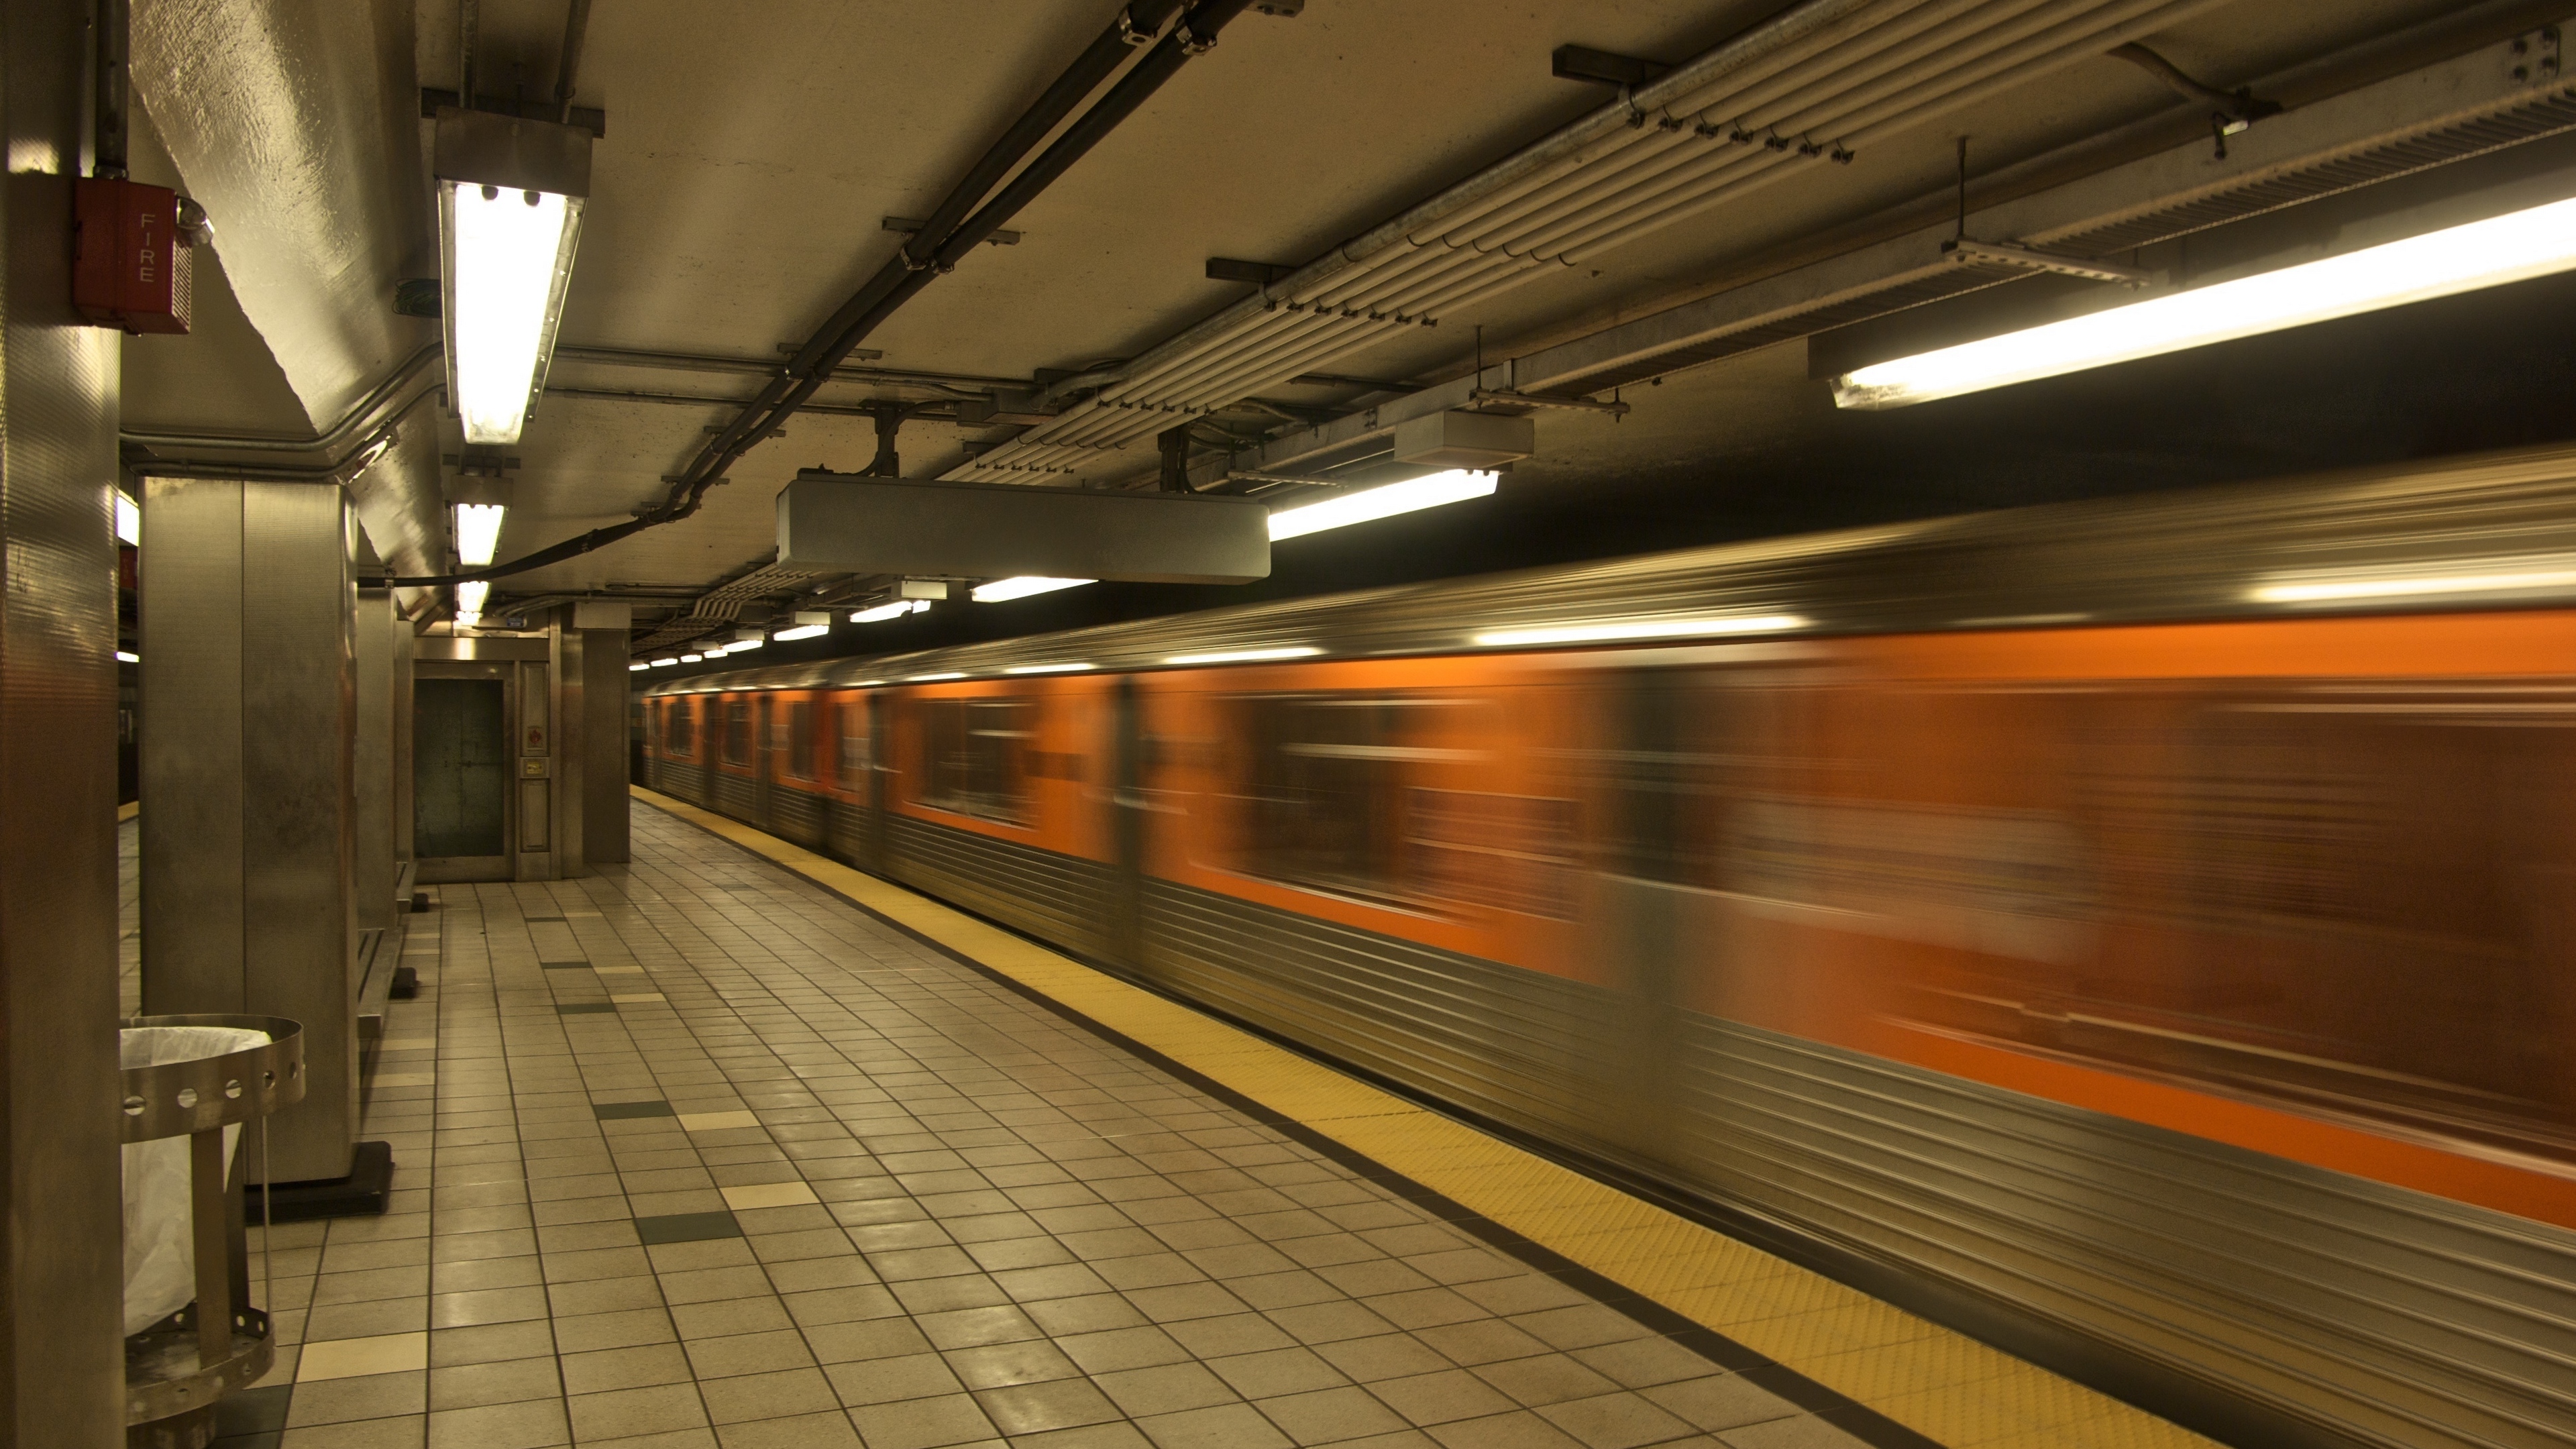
(826, 914)
(1971, 1394)
(777, 1028)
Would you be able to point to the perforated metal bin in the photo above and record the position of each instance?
(177, 1368)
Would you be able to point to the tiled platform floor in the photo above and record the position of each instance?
(692, 1153)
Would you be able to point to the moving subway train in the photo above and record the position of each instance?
(2142, 933)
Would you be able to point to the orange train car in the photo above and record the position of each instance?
(2141, 933)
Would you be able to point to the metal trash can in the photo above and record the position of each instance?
(180, 1361)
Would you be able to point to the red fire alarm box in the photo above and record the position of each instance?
(130, 266)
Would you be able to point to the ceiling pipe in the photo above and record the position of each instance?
(576, 24)
(929, 250)
(469, 22)
(928, 253)
(1829, 76)
(367, 416)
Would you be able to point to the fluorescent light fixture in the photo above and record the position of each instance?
(129, 521)
(469, 602)
(1003, 590)
(508, 254)
(1368, 505)
(1048, 668)
(2501, 576)
(478, 532)
(1247, 656)
(802, 631)
(2509, 248)
(934, 678)
(666, 661)
(638, 667)
(740, 646)
(895, 610)
(124, 656)
(1616, 630)
(692, 658)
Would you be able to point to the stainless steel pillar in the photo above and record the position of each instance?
(375, 868)
(62, 1370)
(604, 628)
(248, 753)
(567, 656)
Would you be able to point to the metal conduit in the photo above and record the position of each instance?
(941, 243)
(1846, 71)
(1625, 221)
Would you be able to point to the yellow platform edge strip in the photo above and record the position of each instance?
(1937, 1382)
(126, 811)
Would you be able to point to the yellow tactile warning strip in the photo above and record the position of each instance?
(1939, 1383)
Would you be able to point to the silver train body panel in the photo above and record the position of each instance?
(2255, 1298)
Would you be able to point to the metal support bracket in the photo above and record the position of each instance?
(1543, 400)
(2011, 255)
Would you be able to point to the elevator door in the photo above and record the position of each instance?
(460, 776)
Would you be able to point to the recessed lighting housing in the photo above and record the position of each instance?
(2510, 248)
(1004, 590)
(478, 532)
(1367, 505)
(511, 192)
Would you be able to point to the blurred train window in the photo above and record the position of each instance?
(974, 756)
(737, 732)
(800, 740)
(677, 736)
(856, 754)
(1510, 852)
(1325, 793)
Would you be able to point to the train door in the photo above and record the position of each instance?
(880, 782)
(1127, 819)
(764, 758)
(1653, 787)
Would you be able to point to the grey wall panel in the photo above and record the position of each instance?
(1060, 897)
(299, 937)
(372, 767)
(190, 746)
(604, 686)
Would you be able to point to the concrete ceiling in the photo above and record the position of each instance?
(752, 148)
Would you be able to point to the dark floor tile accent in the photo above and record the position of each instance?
(686, 1228)
(252, 1411)
(264, 1439)
(565, 965)
(541, 918)
(612, 1111)
(585, 1008)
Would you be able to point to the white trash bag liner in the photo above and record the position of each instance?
(160, 1236)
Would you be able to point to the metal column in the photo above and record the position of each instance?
(375, 869)
(249, 739)
(603, 625)
(569, 846)
(62, 1371)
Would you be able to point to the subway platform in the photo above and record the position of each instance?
(735, 1147)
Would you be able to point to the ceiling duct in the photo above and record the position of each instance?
(1823, 82)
